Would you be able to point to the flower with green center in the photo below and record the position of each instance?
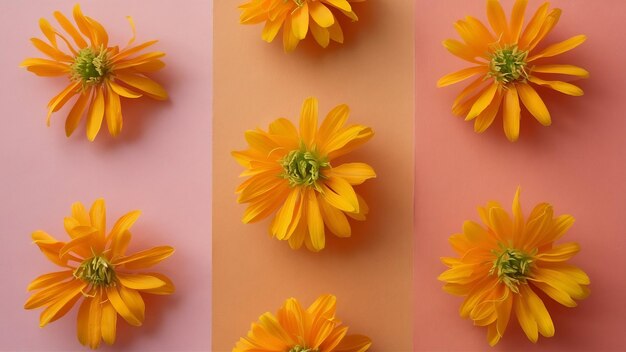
(96, 268)
(297, 18)
(502, 265)
(291, 174)
(295, 329)
(507, 67)
(99, 75)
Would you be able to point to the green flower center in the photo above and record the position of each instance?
(298, 348)
(90, 65)
(508, 65)
(512, 266)
(96, 271)
(303, 167)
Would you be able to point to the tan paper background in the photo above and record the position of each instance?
(255, 83)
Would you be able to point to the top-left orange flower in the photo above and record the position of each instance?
(99, 74)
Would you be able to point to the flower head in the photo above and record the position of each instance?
(294, 171)
(294, 329)
(96, 268)
(507, 66)
(297, 17)
(98, 74)
(501, 267)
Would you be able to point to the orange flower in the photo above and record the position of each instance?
(508, 65)
(97, 269)
(99, 74)
(294, 329)
(502, 265)
(297, 17)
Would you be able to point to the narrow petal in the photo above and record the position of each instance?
(94, 331)
(123, 224)
(147, 258)
(46, 280)
(339, 187)
(315, 222)
(62, 303)
(563, 87)
(271, 28)
(334, 219)
(483, 102)
(59, 101)
(122, 307)
(497, 18)
(308, 121)
(334, 339)
(485, 118)
(335, 32)
(75, 115)
(533, 26)
(167, 289)
(511, 114)
(48, 31)
(95, 115)
(354, 173)
(138, 60)
(354, 343)
(290, 41)
(340, 4)
(321, 14)
(70, 29)
(113, 113)
(525, 318)
(321, 35)
(461, 75)
(300, 21)
(460, 50)
(288, 216)
(82, 321)
(535, 105)
(559, 48)
(539, 311)
(51, 51)
(122, 91)
(570, 70)
(140, 281)
(301, 231)
(108, 323)
(144, 84)
(517, 19)
(333, 122)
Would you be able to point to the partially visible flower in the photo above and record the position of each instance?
(297, 17)
(99, 74)
(508, 64)
(501, 267)
(294, 329)
(294, 171)
(96, 268)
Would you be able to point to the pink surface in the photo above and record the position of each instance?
(160, 164)
(577, 164)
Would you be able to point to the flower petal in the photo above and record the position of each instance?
(140, 281)
(535, 105)
(563, 87)
(113, 113)
(70, 29)
(308, 121)
(321, 14)
(122, 91)
(300, 21)
(340, 194)
(167, 289)
(73, 118)
(335, 219)
(560, 253)
(49, 279)
(559, 48)
(321, 35)
(485, 118)
(460, 76)
(146, 258)
(354, 343)
(497, 18)
(570, 70)
(333, 122)
(63, 303)
(108, 323)
(511, 114)
(354, 173)
(95, 115)
(144, 84)
(483, 102)
(315, 222)
(122, 307)
(538, 310)
(517, 19)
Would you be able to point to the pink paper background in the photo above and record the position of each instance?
(160, 164)
(577, 164)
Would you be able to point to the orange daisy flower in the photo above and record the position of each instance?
(96, 268)
(297, 17)
(501, 267)
(294, 329)
(99, 74)
(508, 65)
(291, 170)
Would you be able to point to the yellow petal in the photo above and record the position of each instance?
(538, 310)
(73, 118)
(108, 323)
(321, 14)
(300, 21)
(301, 231)
(139, 281)
(485, 118)
(503, 309)
(59, 101)
(167, 289)
(517, 19)
(48, 31)
(549, 23)
(97, 215)
(333, 122)
(340, 194)
(321, 35)
(497, 19)
(560, 253)
(335, 337)
(123, 224)
(335, 219)
(146, 258)
(461, 75)
(460, 50)
(49, 279)
(95, 115)
(83, 24)
(271, 28)
(347, 140)
(144, 84)
(535, 105)
(533, 26)
(563, 87)
(122, 91)
(559, 48)
(483, 102)
(100, 35)
(335, 32)
(113, 113)
(525, 318)
(308, 121)
(139, 60)
(50, 51)
(82, 321)
(131, 51)
(70, 29)
(63, 303)
(287, 217)
(290, 41)
(122, 307)
(340, 4)
(511, 114)
(315, 222)
(291, 317)
(570, 70)
(354, 343)
(363, 210)
(94, 331)
(354, 173)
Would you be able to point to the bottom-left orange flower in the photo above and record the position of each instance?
(97, 269)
